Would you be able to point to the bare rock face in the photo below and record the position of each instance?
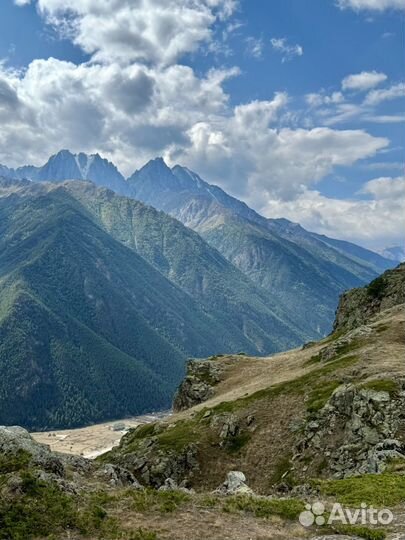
(358, 306)
(198, 385)
(358, 430)
(118, 476)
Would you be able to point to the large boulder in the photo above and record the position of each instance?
(235, 484)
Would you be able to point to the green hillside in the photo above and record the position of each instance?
(92, 329)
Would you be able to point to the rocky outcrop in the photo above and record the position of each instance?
(358, 306)
(153, 463)
(358, 431)
(17, 446)
(118, 476)
(344, 343)
(15, 439)
(198, 385)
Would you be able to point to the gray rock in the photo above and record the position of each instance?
(171, 485)
(14, 439)
(198, 385)
(235, 484)
(356, 431)
(118, 476)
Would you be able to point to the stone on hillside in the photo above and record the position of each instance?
(235, 484)
(118, 476)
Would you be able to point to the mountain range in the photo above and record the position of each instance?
(103, 298)
(107, 285)
(299, 268)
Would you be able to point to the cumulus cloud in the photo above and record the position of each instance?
(286, 50)
(386, 188)
(376, 223)
(21, 3)
(133, 100)
(158, 31)
(363, 81)
(251, 157)
(372, 5)
(340, 107)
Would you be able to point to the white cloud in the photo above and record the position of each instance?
(254, 47)
(318, 99)
(338, 108)
(375, 223)
(375, 97)
(249, 156)
(287, 51)
(134, 100)
(374, 5)
(157, 31)
(21, 3)
(386, 118)
(363, 81)
(386, 188)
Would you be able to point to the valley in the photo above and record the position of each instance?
(92, 441)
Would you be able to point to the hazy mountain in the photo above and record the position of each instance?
(91, 328)
(305, 271)
(394, 253)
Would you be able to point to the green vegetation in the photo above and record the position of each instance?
(377, 287)
(235, 444)
(14, 462)
(92, 328)
(316, 380)
(320, 394)
(41, 509)
(142, 534)
(149, 500)
(382, 385)
(384, 490)
(362, 532)
(88, 328)
(283, 472)
(264, 508)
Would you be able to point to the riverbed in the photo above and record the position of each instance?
(92, 441)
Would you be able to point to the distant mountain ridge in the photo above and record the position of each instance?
(303, 271)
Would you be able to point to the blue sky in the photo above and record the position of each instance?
(295, 106)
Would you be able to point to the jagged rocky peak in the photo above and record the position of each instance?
(66, 165)
(153, 177)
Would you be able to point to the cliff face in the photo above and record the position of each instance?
(198, 385)
(357, 306)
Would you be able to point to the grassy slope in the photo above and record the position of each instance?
(279, 393)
